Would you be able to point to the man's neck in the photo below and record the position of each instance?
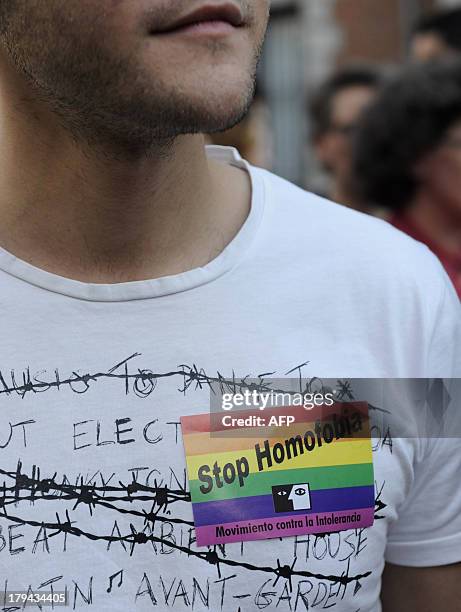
(438, 221)
(82, 213)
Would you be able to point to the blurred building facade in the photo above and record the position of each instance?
(307, 41)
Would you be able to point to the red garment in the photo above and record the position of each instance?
(450, 261)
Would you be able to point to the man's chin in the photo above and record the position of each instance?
(221, 109)
(226, 119)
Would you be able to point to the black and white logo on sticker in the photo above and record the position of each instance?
(292, 497)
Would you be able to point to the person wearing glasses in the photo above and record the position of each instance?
(334, 111)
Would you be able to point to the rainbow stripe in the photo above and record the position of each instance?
(339, 474)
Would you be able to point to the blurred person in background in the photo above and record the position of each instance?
(437, 35)
(408, 158)
(334, 111)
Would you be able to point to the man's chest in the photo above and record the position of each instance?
(96, 491)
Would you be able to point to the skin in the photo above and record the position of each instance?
(104, 176)
(417, 589)
(334, 149)
(429, 46)
(436, 208)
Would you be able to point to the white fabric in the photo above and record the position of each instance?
(304, 282)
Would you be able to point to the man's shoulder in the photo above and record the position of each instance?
(354, 240)
(305, 211)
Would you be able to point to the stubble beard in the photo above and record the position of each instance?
(101, 105)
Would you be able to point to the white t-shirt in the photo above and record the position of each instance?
(305, 281)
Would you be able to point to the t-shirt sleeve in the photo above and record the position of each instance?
(444, 349)
(427, 531)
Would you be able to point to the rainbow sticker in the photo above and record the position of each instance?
(295, 472)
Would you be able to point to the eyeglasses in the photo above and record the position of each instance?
(344, 130)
